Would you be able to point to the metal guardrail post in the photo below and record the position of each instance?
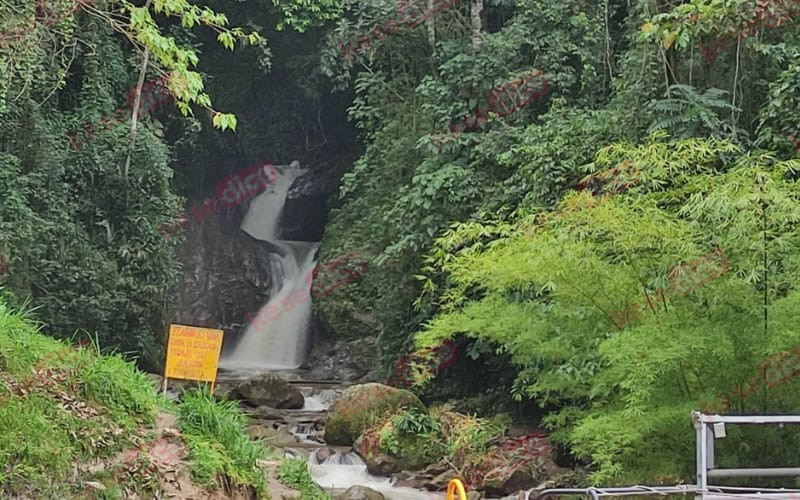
(551, 492)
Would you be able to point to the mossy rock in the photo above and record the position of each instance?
(407, 451)
(417, 452)
(363, 406)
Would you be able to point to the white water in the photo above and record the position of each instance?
(343, 470)
(276, 338)
(319, 400)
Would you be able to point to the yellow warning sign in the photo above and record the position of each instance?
(193, 353)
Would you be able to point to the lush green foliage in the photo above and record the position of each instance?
(300, 14)
(293, 472)
(61, 405)
(489, 238)
(80, 229)
(218, 444)
(548, 295)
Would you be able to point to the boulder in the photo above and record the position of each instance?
(275, 437)
(360, 493)
(435, 477)
(269, 389)
(378, 463)
(409, 452)
(512, 465)
(520, 479)
(382, 465)
(363, 406)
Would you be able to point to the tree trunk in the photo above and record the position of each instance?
(430, 25)
(476, 8)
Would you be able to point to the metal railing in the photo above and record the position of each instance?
(707, 428)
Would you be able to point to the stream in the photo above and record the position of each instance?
(298, 433)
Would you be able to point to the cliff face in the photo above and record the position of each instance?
(227, 274)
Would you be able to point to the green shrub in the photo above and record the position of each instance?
(293, 472)
(215, 434)
(119, 386)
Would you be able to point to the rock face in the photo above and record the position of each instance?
(347, 360)
(362, 406)
(360, 493)
(227, 273)
(270, 390)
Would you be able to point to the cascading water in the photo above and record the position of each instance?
(342, 470)
(277, 336)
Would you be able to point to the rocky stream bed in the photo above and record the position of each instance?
(289, 413)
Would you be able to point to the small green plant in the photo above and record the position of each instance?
(691, 113)
(388, 440)
(293, 472)
(215, 434)
(415, 422)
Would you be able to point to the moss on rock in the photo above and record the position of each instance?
(363, 406)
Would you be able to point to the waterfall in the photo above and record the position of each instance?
(277, 337)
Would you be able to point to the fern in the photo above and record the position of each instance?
(691, 113)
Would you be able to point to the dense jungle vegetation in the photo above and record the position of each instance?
(549, 244)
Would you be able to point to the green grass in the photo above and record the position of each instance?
(293, 472)
(61, 406)
(215, 434)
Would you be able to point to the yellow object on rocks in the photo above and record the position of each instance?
(452, 487)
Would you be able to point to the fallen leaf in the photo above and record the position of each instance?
(95, 485)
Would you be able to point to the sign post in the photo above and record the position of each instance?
(192, 354)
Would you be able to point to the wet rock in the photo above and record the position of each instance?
(280, 437)
(435, 477)
(225, 390)
(444, 478)
(226, 275)
(360, 407)
(382, 465)
(323, 454)
(360, 493)
(519, 480)
(416, 481)
(265, 412)
(437, 469)
(271, 390)
(346, 360)
(378, 463)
